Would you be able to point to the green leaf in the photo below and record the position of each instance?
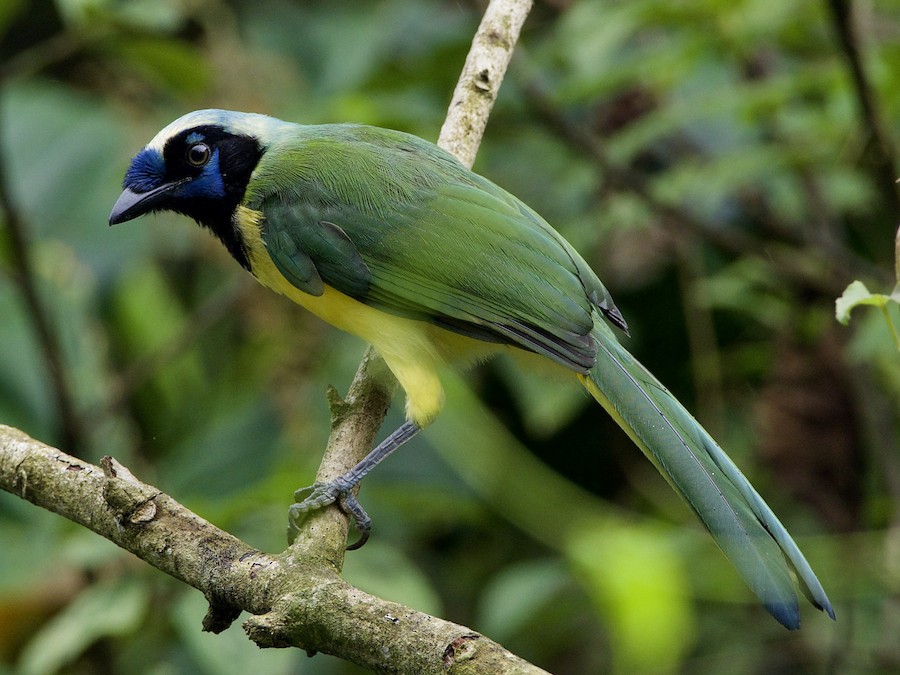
(857, 294)
(165, 62)
(637, 579)
(519, 594)
(106, 609)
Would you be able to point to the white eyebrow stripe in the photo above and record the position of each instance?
(246, 124)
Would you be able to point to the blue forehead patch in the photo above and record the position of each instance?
(194, 138)
(146, 171)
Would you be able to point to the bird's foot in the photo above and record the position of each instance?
(340, 489)
(319, 495)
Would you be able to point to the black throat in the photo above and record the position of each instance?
(237, 157)
(218, 216)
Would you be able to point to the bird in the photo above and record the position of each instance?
(388, 237)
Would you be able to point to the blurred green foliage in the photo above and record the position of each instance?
(716, 162)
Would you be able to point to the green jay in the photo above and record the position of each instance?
(390, 238)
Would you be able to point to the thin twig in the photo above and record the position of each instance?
(705, 358)
(213, 310)
(883, 167)
(678, 219)
(71, 430)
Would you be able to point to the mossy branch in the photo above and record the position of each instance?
(296, 598)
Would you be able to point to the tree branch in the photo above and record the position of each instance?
(297, 597)
(479, 82)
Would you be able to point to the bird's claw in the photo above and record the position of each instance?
(350, 505)
(316, 496)
(319, 495)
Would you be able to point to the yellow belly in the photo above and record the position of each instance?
(413, 350)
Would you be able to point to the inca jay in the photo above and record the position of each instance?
(390, 238)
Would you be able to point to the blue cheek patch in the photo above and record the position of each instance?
(208, 184)
(146, 171)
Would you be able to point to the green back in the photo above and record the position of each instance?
(397, 223)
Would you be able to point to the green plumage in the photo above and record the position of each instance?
(402, 231)
(404, 206)
(742, 524)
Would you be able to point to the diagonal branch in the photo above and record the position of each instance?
(297, 597)
(783, 258)
(479, 83)
(883, 167)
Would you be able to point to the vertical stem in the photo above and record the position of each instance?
(461, 135)
(479, 82)
(897, 258)
(27, 282)
(891, 326)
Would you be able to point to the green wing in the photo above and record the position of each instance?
(397, 223)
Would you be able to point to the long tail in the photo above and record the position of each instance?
(742, 524)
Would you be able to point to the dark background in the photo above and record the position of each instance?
(728, 169)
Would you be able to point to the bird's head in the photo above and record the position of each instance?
(199, 166)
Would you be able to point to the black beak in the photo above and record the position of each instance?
(132, 204)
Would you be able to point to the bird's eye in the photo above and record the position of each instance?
(198, 154)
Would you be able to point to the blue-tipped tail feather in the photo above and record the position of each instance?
(741, 523)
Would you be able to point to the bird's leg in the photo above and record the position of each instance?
(340, 489)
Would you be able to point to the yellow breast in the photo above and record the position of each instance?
(413, 350)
